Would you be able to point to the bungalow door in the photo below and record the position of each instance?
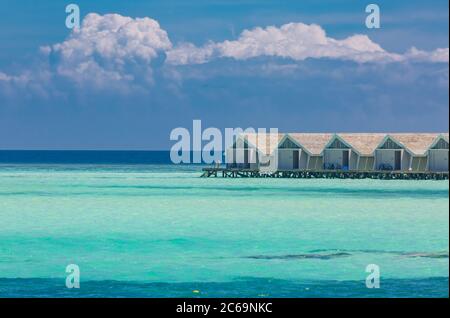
(398, 160)
(295, 159)
(246, 161)
(345, 159)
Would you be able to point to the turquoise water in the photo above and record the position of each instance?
(157, 231)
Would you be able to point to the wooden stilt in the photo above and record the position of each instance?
(327, 174)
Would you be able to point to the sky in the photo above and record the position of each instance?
(136, 70)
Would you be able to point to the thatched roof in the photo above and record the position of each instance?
(312, 143)
(417, 144)
(364, 144)
(264, 142)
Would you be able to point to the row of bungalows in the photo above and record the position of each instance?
(344, 151)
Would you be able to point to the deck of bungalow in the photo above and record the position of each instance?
(324, 174)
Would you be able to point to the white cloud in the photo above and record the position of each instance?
(117, 53)
(436, 56)
(108, 48)
(20, 79)
(188, 53)
(4, 77)
(296, 41)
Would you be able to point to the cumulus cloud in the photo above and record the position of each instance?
(109, 48)
(436, 56)
(297, 41)
(120, 53)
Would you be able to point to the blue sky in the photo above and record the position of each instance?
(57, 92)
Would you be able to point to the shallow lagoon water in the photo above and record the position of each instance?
(161, 230)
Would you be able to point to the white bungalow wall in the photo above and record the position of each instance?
(286, 159)
(353, 161)
(366, 163)
(406, 161)
(438, 156)
(303, 160)
(386, 154)
(335, 157)
(237, 156)
(315, 163)
(386, 157)
(268, 163)
(419, 163)
(438, 160)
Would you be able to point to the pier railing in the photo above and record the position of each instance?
(327, 174)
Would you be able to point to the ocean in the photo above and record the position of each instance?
(138, 226)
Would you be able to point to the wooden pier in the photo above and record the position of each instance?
(324, 174)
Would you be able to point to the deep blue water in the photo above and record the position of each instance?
(84, 157)
(436, 287)
(122, 157)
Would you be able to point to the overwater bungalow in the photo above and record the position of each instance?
(363, 146)
(339, 155)
(413, 152)
(392, 155)
(313, 144)
(252, 151)
(301, 151)
(438, 154)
